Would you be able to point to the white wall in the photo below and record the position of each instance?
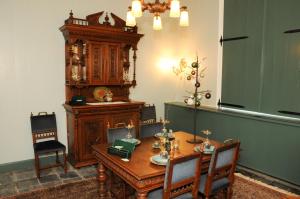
(32, 61)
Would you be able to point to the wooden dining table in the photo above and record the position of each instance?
(139, 172)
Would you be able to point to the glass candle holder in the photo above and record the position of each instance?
(129, 127)
(206, 143)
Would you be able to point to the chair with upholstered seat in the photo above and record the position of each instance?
(44, 137)
(118, 133)
(220, 174)
(181, 178)
(150, 129)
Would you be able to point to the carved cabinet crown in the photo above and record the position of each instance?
(97, 53)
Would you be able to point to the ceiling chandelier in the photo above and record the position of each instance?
(139, 6)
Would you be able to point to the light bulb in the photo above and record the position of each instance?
(137, 8)
(130, 19)
(184, 18)
(157, 23)
(175, 8)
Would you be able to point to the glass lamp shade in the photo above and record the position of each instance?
(130, 19)
(184, 18)
(157, 23)
(137, 8)
(175, 8)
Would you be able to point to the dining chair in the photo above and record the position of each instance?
(150, 129)
(220, 174)
(148, 114)
(44, 138)
(118, 133)
(181, 178)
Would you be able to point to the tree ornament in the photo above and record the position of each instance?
(207, 95)
(195, 64)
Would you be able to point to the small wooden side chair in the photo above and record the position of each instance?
(220, 174)
(44, 137)
(181, 178)
(148, 114)
(150, 129)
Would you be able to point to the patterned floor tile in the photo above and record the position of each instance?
(70, 174)
(60, 170)
(28, 184)
(6, 178)
(8, 189)
(48, 172)
(49, 178)
(88, 172)
(24, 175)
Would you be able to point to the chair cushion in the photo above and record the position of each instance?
(183, 170)
(158, 193)
(225, 158)
(48, 146)
(155, 194)
(216, 185)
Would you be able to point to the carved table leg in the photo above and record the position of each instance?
(102, 179)
(141, 195)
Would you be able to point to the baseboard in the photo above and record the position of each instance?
(270, 180)
(27, 164)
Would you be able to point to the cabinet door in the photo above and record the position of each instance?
(97, 63)
(113, 67)
(91, 132)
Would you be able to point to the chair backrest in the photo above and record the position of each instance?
(148, 114)
(149, 130)
(118, 133)
(223, 163)
(182, 176)
(43, 126)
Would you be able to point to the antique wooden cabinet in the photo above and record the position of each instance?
(97, 59)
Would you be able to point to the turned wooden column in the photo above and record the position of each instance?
(134, 48)
(102, 179)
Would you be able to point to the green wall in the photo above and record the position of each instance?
(267, 145)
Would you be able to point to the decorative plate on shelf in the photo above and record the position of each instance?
(100, 93)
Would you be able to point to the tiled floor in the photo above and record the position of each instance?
(15, 182)
(22, 181)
